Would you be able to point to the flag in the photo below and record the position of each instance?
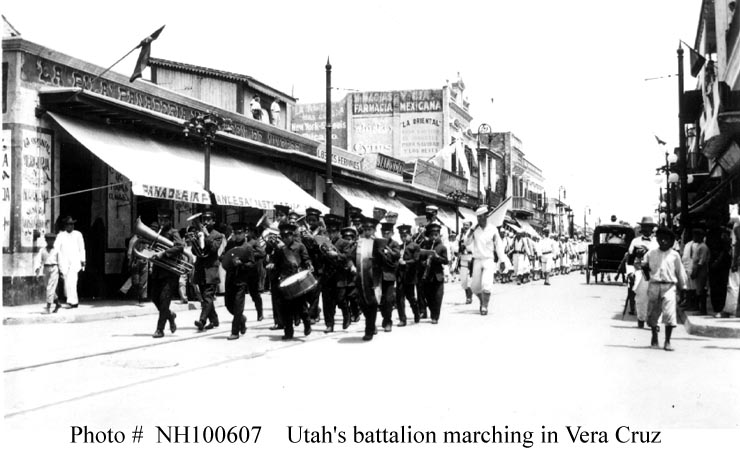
(695, 60)
(442, 154)
(497, 216)
(143, 61)
(660, 141)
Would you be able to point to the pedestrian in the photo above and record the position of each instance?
(695, 261)
(71, 248)
(406, 280)
(206, 275)
(432, 258)
(48, 267)
(255, 107)
(550, 249)
(164, 282)
(484, 241)
(732, 306)
(636, 284)
(665, 272)
(720, 260)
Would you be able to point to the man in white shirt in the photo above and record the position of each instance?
(275, 113)
(483, 240)
(71, 248)
(637, 284)
(550, 250)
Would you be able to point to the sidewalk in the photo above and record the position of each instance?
(88, 311)
(709, 326)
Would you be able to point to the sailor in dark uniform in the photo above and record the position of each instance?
(237, 271)
(349, 234)
(290, 257)
(367, 258)
(406, 282)
(314, 228)
(433, 278)
(206, 272)
(335, 255)
(163, 283)
(391, 253)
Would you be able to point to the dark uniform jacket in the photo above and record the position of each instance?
(171, 253)
(410, 255)
(206, 267)
(336, 266)
(389, 260)
(238, 274)
(291, 259)
(436, 271)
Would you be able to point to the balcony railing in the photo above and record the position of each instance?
(523, 204)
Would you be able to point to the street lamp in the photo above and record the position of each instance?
(670, 178)
(456, 196)
(205, 126)
(484, 128)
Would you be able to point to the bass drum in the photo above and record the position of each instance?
(298, 285)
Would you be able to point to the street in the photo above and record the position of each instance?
(545, 358)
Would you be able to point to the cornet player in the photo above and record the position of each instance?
(206, 271)
(433, 278)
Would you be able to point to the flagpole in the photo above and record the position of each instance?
(112, 65)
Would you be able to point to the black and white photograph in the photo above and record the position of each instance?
(370, 224)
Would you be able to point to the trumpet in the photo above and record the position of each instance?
(180, 265)
(197, 239)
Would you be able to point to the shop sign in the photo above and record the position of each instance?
(371, 103)
(36, 179)
(5, 184)
(40, 70)
(372, 135)
(426, 175)
(119, 209)
(421, 135)
(341, 158)
(309, 120)
(168, 193)
(449, 182)
(392, 165)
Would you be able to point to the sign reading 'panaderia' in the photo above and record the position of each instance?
(167, 193)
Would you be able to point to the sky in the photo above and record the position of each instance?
(566, 77)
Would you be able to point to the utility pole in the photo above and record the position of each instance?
(328, 186)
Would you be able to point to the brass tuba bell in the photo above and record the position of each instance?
(180, 265)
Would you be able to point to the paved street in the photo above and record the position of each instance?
(545, 356)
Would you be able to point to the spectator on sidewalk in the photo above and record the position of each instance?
(665, 272)
(48, 267)
(71, 247)
(695, 260)
(720, 260)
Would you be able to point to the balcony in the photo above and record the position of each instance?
(697, 163)
(523, 204)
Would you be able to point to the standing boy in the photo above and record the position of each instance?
(49, 260)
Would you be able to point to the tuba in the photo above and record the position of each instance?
(181, 265)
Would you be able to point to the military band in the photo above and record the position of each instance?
(309, 259)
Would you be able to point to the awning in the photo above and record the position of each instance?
(448, 217)
(527, 228)
(174, 172)
(367, 201)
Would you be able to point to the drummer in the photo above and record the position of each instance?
(288, 260)
(237, 260)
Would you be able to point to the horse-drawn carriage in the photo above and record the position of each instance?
(606, 252)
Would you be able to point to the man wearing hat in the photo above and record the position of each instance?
(367, 261)
(549, 250)
(433, 277)
(313, 220)
(49, 263)
(308, 235)
(484, 240)
(406, 283)
(271, 239)
(206, 272)
(71, 248)
(237, 260)
(164, 283)
(253, 274)
(355, 218)
(288, 259)
(636, 284)
(349, 234)
(390, 254)
(335, 255)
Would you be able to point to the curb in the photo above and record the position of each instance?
(84, 316)
(709, 326)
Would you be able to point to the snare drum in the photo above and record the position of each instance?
(298, 285)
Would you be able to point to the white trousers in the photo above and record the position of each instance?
(70, 286)
(483, 270)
